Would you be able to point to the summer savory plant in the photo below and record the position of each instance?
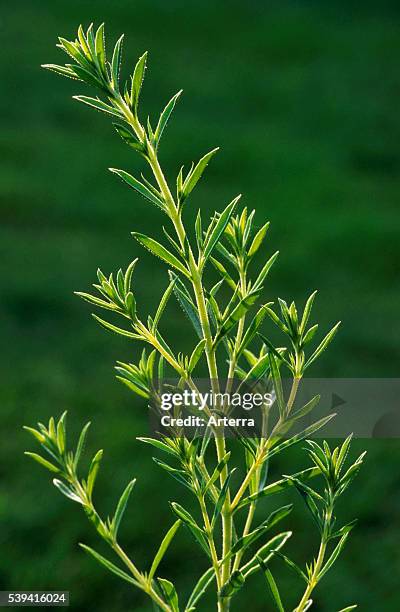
(228, 338)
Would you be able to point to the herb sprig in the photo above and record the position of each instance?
(226, 331)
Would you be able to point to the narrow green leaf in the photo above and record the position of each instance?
(184, 299)
(98, 105)
(164, 117)
(61, 433)
(309, 431)
(92, 299)
(200, 588)
(336, 552)
(349, 608)
(43, 462)
(71, 48)
(221, 498)
(100, 48)
(137, 80)
(160, 251)
(128, 137)
(279, 485)
(191, 524)
(107, 564)
(292, 565)
(62, 70)
(52, 429)
(36, 434)
(322, 346)
(219, 228)
(83, 42)
(116, 330)
(279, 355)
(139, 187)
(121, 507)
(264, 271)
(266, 552)
(159, 445)
(310, 334)
(306, 409)
(164, 547)
(277, 381)
(225, 253)
(116, 60)
(199, 231)
(222, 270)
(162, 304)
(85, 75)
(273, 587)
(195, 175)
(67, 491)
(344, 530)
(257, 240)
(309, 495)
(130, 306)
(81, 444)
(214, 290)
(127, 379)
(235, 315)
(276, 320)
(307, 312)
(257, 371)
(253, 328)
(150, 132)
(195, 356)
(217, 471)
(179, 475)
(344, 449)
(93, 470)
(128, 275)
(90, 40)
(173, 242)
(351, 473)
(244, 542)
(170, 594)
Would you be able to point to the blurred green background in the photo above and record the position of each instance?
(302, 97)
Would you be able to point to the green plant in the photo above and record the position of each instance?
(227, 327)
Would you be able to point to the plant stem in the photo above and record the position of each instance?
(313, 581)
(209, 351)
(219, 439)
(293, 393)
(211, 543)
(258, 461)
(145, 585)
(141, 581)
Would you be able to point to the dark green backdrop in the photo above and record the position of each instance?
(303, 98)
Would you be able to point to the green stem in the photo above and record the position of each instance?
(210, 539)
(314, 578)
(258, 461)
(246, 530)
(219, 439)
(145, 585)
(256, 466)
(293, 393)
(141, 582)
(313, 581)
(209, 349)
(239, 335)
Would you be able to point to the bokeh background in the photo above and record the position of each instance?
(302, 97)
